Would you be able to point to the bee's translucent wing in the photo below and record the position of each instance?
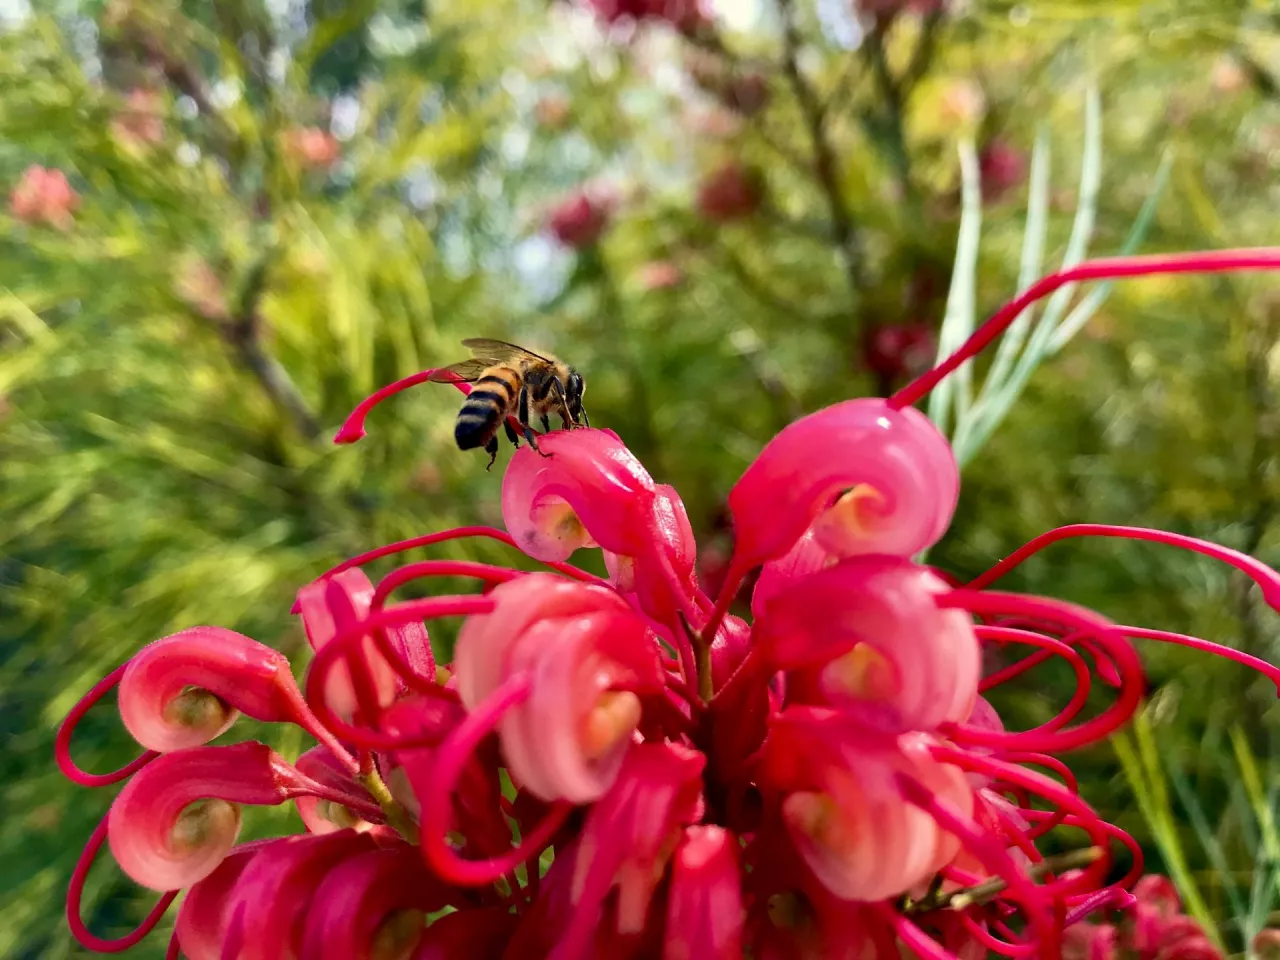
(467, 371)
(500, 350)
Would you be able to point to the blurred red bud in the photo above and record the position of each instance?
(730, 192)
(43, 195)
(580, 220)
(898, 350)
(1003, 167)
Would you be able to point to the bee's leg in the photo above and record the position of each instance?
(565, 416)
(546, 424)
(585, 421)
(523, 417)
(511, 433)
(491, 448)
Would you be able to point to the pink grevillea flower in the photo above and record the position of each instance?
(580, 220)
(630, 835)
(864, 635)
(44, 196)
(705, 910)
(592, 659)
(175, 821)
(835, 785)
(730, 192)
(826, 779)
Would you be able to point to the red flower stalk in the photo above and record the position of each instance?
(822, 781)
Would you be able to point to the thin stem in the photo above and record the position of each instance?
(981, 893)
(1110, 268)
(397, 816)
(824, 157)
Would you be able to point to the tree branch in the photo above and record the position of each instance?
(824, 159)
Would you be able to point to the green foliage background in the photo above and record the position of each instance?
(164, 461)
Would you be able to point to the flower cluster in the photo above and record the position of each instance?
(1155, 929)
(623, 767)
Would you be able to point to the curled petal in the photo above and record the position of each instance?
(185, 689)
(705, 911)
(175, 820)
(629, 836)
(329, 607)
(661, 573)
(835, 785)
(324, 815)
(806, 556)
(202, 918)
(590, 491)
(266, 914)
(866, 636)
(373, 904)
(869, 479)
(589, 659)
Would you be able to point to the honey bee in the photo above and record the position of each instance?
(511, 381)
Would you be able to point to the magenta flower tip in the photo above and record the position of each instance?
(350, 433)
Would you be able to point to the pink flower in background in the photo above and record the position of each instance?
(312, 147)
(141, 123)
(684, 15)
(896, 351)
(822, 780)
(730, 192)
(580, 220)
(659, 275)
(43, 196)
(1003, 168)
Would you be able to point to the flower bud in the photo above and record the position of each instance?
(334, 604)
(373, 905)
(866, 637)
(589, 658)
(202, 918)
(867, 478)
(267, 912)
(321, 815)
(178, 817)
(188, 688)
(630, 834)
(704, 911)
(834, 784)
(591, 491)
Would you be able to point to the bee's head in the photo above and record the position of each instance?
(574, 388)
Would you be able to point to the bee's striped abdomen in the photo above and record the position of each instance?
(485, 407)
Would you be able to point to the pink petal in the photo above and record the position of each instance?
(590, 491)
(202, 918)
(705, 911)
(323, 767)
(372, 896)
(867, 636)
(898, 455)
(835, 785)
(589, 659)
(328, 607)
(267, 913)
(185, 689)
(160, 834)
(661, 574)
(630, 834)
